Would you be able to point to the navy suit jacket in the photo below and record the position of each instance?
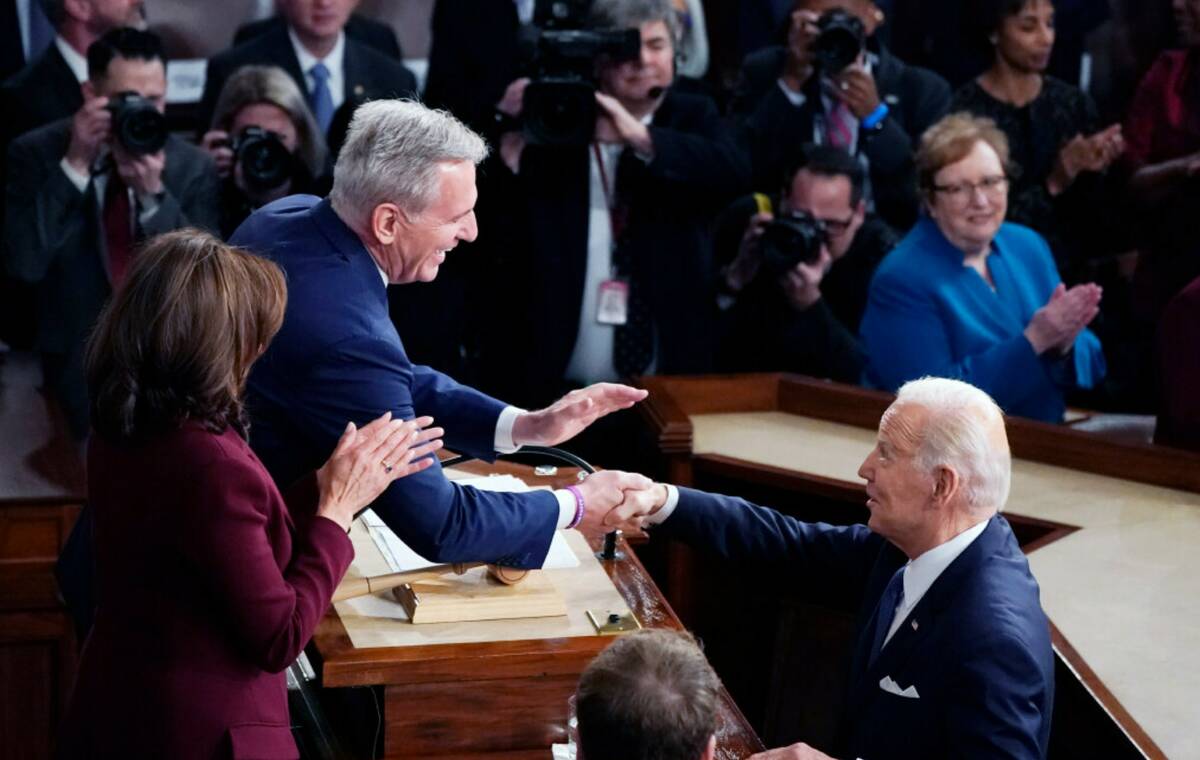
(976, 648)
(338, 359)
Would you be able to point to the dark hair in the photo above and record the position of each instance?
(828, 161)
(176, 342)
(650, 696)
(988, 17)
(125, 42)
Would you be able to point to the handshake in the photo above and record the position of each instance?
(615, 500)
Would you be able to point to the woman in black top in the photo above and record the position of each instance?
(1051, 128)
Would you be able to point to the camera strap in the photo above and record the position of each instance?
(617, 213)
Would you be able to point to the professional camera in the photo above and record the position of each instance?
(559, 107)
(137, 124)
(266, 162)
(841, 39)
(789, 239)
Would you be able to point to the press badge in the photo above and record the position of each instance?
(612, 302)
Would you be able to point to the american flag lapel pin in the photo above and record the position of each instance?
(914, 625)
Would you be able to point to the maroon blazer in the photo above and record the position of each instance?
(208, 587)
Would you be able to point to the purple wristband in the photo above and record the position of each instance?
(578, 507)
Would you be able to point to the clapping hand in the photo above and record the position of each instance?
(366, 461)
(1093, 153)
(1056, 325)
(567, 417)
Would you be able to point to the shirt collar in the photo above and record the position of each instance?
(307, 60)
(921, 572)
(76, 62)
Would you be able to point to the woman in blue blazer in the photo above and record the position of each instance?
(968, 296)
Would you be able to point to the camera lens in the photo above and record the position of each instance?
(265, 161)
(841, 39)
(137, 124)
(790, 239)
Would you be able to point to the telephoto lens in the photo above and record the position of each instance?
(789, 239)
(265, 161)
(841, 39)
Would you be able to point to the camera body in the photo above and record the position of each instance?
(791, 238)
(559, 107)
(137, 124)
(841, 39)
(265, 161)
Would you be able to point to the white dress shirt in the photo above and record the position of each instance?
(920, 573)
(76, 61)
(335, 62)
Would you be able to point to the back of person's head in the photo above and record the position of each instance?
(964, 430)
(122, 42)
(391, 155)
(828, 161)
(176, 342)
(651, 695)
(271, 85)
(632, 14)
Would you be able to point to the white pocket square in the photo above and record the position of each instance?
(891, 687)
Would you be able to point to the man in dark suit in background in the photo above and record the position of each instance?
(79, 201)
(403, 196)
(876, 108)
(45, 90)
(377, 35)
(609, 251)
(953, 654)
(25, 33)
(336, 71)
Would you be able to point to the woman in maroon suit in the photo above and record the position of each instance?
(209, 582)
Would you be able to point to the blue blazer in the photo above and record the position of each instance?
(927, 314)
(976, 648)
(338, 358)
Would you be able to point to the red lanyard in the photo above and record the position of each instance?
(616, 219)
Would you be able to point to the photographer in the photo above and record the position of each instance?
(88, 189)
(834, 84)
(265, 143)
(793, 295)
(608, 253)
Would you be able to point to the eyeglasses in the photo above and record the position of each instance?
(961, 193)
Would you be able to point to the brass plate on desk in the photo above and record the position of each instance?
(613, 623)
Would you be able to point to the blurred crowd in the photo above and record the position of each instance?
(885, 190)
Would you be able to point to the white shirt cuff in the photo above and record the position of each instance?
(147, 207)
(504, 432)
(566, 507)
(795, 98)
(78, 180)
(667, 509)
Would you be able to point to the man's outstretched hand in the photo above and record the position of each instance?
(567, 417)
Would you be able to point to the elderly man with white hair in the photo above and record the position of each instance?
(953, 654)
(403, 197)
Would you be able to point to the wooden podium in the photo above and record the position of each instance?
(1111, 531)
(496, 699)
(41, 492)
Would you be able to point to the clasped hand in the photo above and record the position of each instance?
(615, 500)
(1056, 325)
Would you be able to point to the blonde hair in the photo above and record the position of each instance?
(951, 139)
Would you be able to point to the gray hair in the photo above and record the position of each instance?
(251, 85)
(391, 155)
(631, 14)
(958, 434)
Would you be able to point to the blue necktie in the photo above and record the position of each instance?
(320, 98)
(886, 611)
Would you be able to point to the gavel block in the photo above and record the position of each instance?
(477, 595)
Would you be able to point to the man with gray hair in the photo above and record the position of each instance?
(953, 656)
(403, 197)
(651, 695)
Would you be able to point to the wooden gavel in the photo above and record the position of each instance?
(352, 587)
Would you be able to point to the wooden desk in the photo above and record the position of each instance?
(41, 492)
(1111, 529)
(498, 700)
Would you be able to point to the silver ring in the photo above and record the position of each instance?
(387, 467)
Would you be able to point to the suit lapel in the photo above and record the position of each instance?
(920, 623)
